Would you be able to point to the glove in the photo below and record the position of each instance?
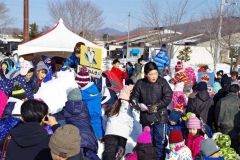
(120, 153)
(153, 109)
(143, 107)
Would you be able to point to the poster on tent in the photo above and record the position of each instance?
(206, 76)
(91, 57)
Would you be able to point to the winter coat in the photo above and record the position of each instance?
(142, 152)
(76, 113)
(28, 141)
(119, 73)
(179, 151)
(216, 86)
(201, 105)
(108, 95)
(121, 124)
(226, 111)
(73, 61)
(6, 124)
(92, 97)
(145, 152)
(193, 143)
(7, 85)
(161, 59)
(158, 94)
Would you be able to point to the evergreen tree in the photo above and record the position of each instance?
(33, 30)
(184, 55)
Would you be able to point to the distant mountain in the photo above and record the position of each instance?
(111, 31)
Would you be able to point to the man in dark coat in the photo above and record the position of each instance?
(202, 103)
(29, 140)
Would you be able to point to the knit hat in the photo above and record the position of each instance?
(25, 66)
(175, 116)
(175, 136)
(74, 95)
(82, 78)
(41, 65)
(194, 122)
(220, 73)
(178, 66)
(65, 141)
(202, 86)
(145, 136)
(125, 92)
(209, 147)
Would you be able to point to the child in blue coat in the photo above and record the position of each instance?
(92, 97)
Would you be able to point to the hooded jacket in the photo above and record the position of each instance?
(76, 113)
(121, 124)
(92, 97)
(226, 112)
(28, 141)
(201, 105)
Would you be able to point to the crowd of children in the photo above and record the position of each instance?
(181, 119)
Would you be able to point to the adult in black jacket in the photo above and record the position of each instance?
(29, 140)
(223, 92)
(202, 103)
(152, 95)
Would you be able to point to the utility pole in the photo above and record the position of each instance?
(127, 56)
(26, 21)
(219, 35)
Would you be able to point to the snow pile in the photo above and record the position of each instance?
(54, 92)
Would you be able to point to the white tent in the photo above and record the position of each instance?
(59, 38)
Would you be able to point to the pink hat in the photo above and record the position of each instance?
(82, 78)
(125, 92)
(194, 122)
(145, 136)
(3, 102)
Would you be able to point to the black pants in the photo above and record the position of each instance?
(111, 145)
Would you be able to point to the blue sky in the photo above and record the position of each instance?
(115, 12)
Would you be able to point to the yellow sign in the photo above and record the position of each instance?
(96, 73)
(91, 57)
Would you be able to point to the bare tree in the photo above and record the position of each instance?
(230, 36)
(81, 16)
(5, 19)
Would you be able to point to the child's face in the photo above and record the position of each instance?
(193, 131)
(172, 122)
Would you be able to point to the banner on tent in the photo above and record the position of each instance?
(91, 57)
(206, 76)
(96, 73)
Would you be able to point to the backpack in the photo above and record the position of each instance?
(116, 84)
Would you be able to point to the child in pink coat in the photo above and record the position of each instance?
(195, 135)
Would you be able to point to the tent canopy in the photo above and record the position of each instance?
(59, 38)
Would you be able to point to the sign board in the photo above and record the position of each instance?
(91, 57)
(206, 76)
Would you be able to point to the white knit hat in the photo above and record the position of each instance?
(25, 66)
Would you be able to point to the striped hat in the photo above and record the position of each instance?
(194, 122)
(82, 78)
